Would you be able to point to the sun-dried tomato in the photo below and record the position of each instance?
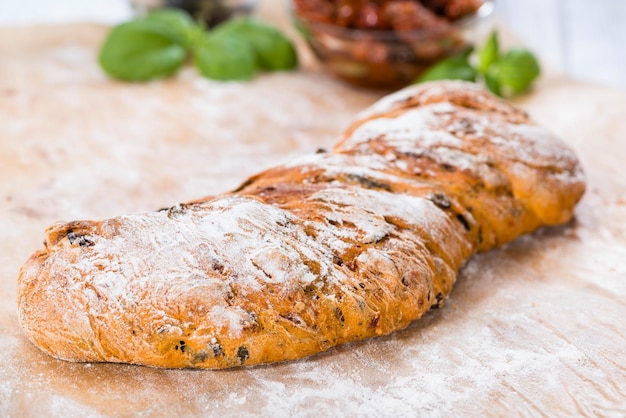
(457, 9)
(410, 15)
(374, 14)
(316, 10)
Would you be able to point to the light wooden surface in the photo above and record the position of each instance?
(532, 329)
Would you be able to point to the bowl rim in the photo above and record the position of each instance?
(484, 11)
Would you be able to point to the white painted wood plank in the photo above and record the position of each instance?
(538, 24)
(23, 12)
(596, 40)
(585, 39)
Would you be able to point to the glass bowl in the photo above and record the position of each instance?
(209, 12)
(386, 58)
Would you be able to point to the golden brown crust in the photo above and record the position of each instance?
(331, 248)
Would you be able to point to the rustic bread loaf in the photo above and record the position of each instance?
(333, 247)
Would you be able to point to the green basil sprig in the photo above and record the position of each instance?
(225, 59)
(456, 67)
(504, 74)
(142, 50)
(159, 44)
(273, 50)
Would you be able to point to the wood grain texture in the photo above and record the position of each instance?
(534, 327)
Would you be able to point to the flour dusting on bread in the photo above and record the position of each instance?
(329, 248)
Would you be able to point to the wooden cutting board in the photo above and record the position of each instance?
(536, 327)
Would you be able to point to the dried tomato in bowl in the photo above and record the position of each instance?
(386, 43)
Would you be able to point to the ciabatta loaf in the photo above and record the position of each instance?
(333, 247)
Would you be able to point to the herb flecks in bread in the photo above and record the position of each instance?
(333, 247)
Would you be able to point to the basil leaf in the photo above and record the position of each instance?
(273, 50)
(489, 53)
(141, 50)
(453, 68)
(180, 25)
(516, 70)
(224, 58)
(493, 85)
